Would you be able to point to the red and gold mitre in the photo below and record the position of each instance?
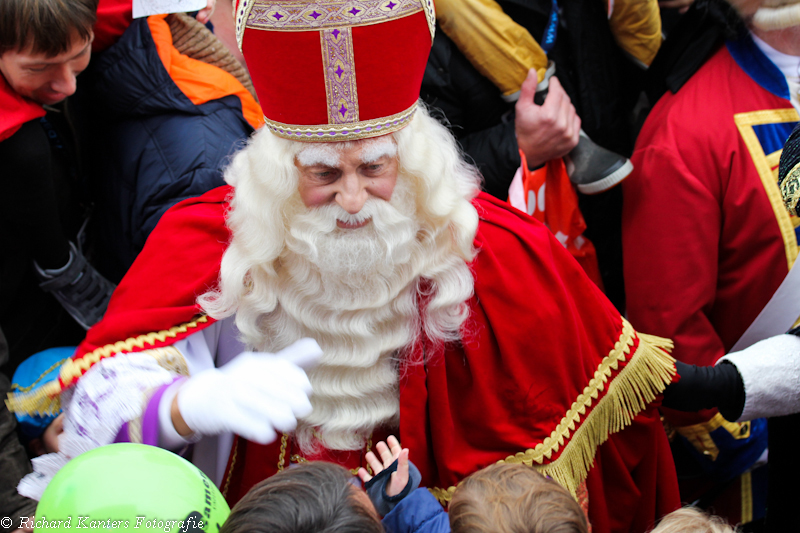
(335, 70)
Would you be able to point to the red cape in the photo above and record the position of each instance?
(15, 110)
(547, 373)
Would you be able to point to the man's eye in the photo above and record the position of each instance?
(37, 69)
(374, 168)
(325, 176)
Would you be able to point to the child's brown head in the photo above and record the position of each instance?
(312, 497)
(508, 498)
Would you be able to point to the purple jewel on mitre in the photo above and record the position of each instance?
(369, 128)
(356, 131)
(391, 5)
(315, 15)
(354, 11)
(320, 133)
(343, 110)
(277, 16)
(339, 71)
(336, 33)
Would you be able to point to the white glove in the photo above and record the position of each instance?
(770, 370)
(253, 396)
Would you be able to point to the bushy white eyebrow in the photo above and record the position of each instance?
(375, 150)
(317, 154)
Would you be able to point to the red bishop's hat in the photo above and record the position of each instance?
(335, 70)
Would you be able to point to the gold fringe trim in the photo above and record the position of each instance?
(646, 375)
(45, 400)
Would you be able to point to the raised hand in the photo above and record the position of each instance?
(389, 451)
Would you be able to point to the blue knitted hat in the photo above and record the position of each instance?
(35, 371)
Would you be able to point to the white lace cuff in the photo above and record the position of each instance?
(114, 391)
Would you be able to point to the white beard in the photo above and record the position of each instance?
(354, 291)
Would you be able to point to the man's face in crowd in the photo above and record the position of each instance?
(46, 80)
(348, 175)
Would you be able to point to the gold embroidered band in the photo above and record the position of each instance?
(342, 132)
(340, 75)
(293, 15)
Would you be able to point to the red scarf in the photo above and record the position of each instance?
(15, 110)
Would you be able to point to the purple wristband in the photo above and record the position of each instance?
(150, 423)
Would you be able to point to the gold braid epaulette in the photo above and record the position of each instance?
(45, 400)
(790, 190)
(645, 376)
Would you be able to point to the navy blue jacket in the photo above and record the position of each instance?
(150, 146)
(419, 512)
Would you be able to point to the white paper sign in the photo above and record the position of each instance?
(145, 8)
(778, 315)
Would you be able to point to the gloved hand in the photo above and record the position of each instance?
(253, 396)
(770, 370)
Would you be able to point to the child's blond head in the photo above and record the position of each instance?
(691, 520)
(506, 498)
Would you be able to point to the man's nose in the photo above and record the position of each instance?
(352, 193)
(65, 82)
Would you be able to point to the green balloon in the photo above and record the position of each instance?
(131, 487)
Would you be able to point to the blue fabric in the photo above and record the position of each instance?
(33, 372)
(758, 66)
(154, 146)
(419, 512)
(773, 136)
(736, 456)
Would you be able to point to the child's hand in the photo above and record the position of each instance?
(388, 453)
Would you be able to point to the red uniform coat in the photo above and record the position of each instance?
(548, 372)
(706, 238)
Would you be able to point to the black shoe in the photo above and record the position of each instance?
(593, 169)
(79, 288)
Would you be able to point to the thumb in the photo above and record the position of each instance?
(402, 467)
(304, 353)
(528, 89)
